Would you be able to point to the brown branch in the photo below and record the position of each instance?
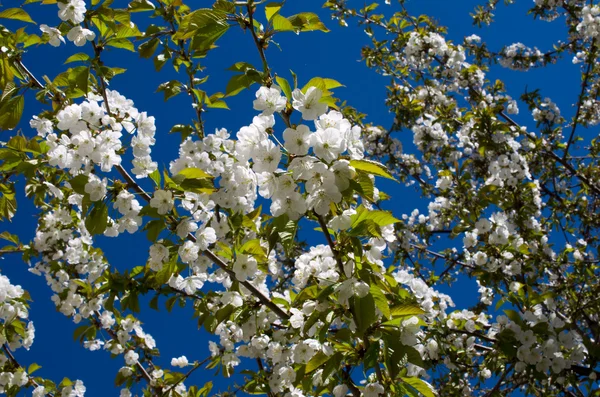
(348, 381)
(12, 358)
(499, 383)
(15, 251)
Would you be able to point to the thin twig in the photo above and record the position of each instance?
(187, 375)
(259, 44)
(591, 62)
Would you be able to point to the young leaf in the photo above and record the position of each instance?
(97, 220)
(285, 87)
(169, 89)
(372, 167)
(406, 310)
(363, 310)
(271, 9)
(315, 362)
(282, 24)
(11, 112)
(193, 173)
(380, 300)
(421, 386)
(381, 218)
(306, 22)
(147, 49)
(18, 14)
(79, 57)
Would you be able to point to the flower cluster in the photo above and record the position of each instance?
(560, 350)
(91, 135)
(16, 334)
(72, 12)
(590, 21)
(518, 56)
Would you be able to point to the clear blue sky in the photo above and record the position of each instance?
(333, 55)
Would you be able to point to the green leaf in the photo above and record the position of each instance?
(365, 228)
(10, 237)
(331, 84)
(97, 220)
(33, 367)
(372, 167)
(380, 300)
(421, 386)
(78, 79)
(147, 49)
(365, 186)
(154, 228)
(17, 14)
(285, 87)
(78, 183)
(204, 27)
(79, 57)
(363, 310)
(294, 78)
(254, 248)
(371, 357)
(17, 142)
(398, 354)
(127, 30)
(154, 302)
(406, 310)
(318, 359)
(240, 82)
(11, 112)
(155, 176)
(282, 24)
(184, 130)
(271, 9)
(198, 185)
(140, 5)
(241, 67)
(306, 22)
(323, 84)
(317, 82)
(123, 43)
(514, 316)
(215, 101)
(8, 201)
(164, 274)
(224, 5)
(170, 89)
(381, 218)
(193, 173)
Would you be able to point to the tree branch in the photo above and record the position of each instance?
(591, 62)
(12, 358)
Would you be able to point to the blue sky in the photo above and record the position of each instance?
(332, 55)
